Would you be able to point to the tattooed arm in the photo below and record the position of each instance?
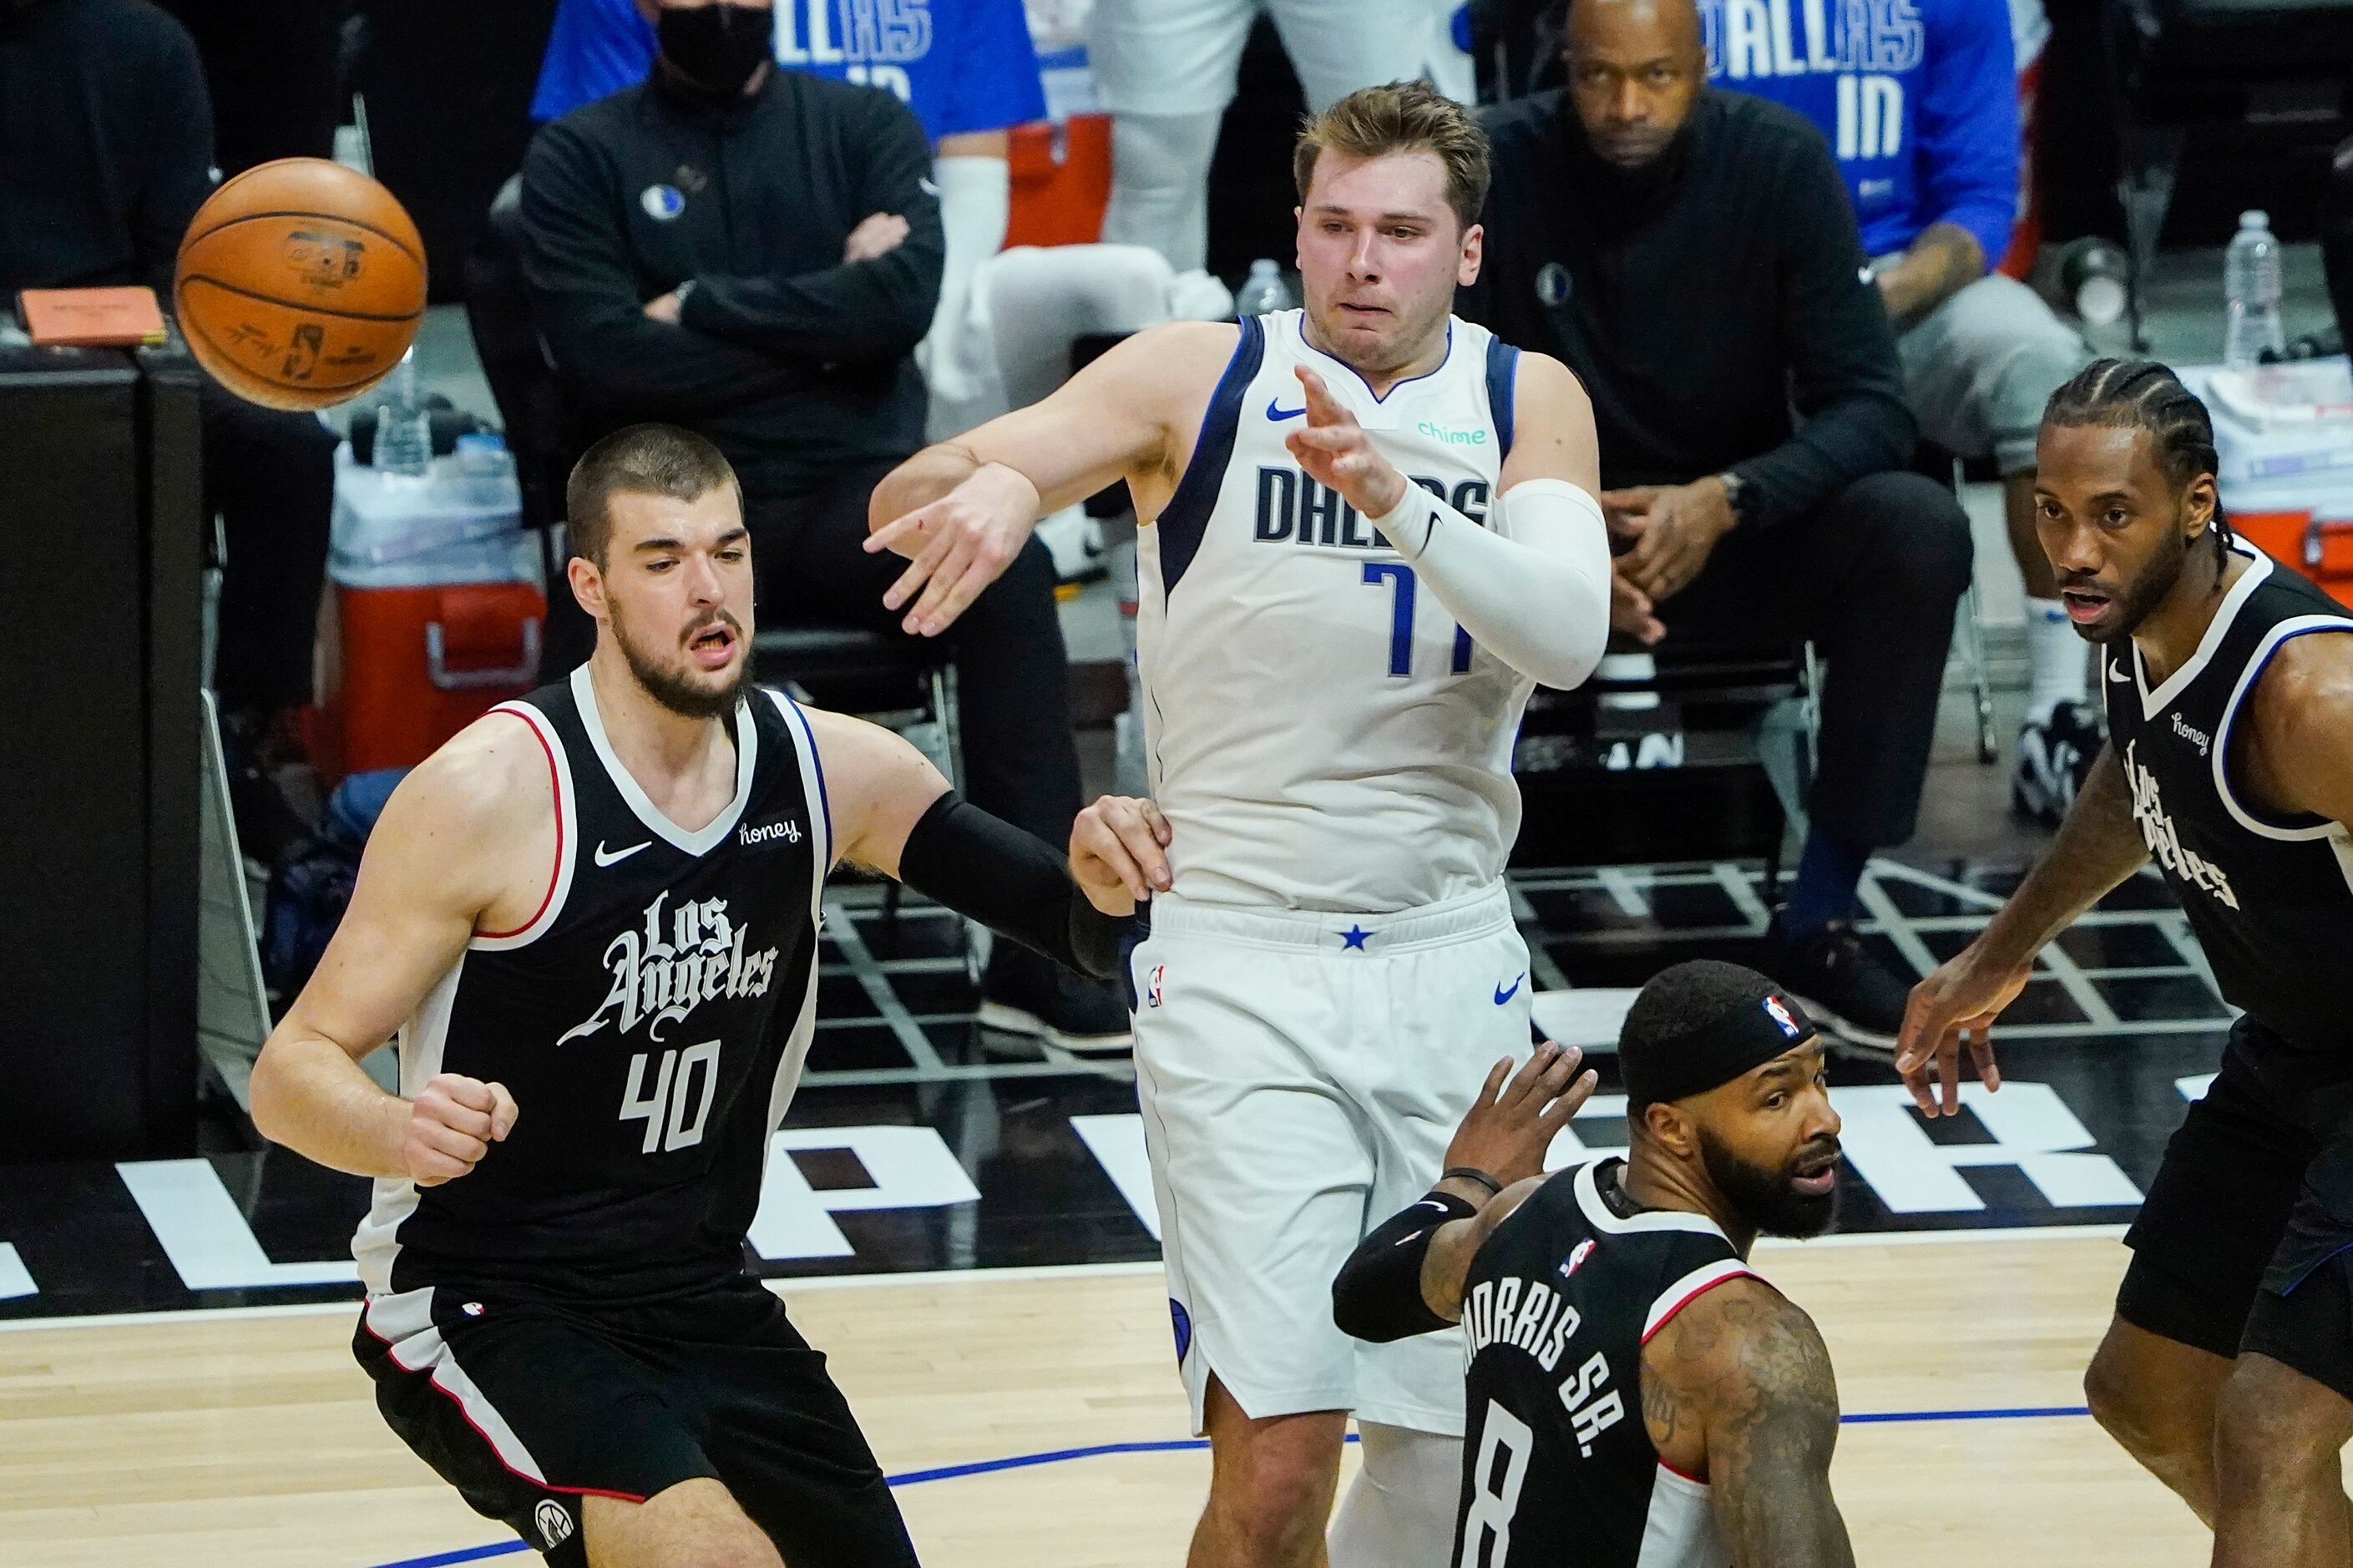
(1737, 1389)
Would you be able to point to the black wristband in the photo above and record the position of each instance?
(1377, 1294)
(1472, 1173)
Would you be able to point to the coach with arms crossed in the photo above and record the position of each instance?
(754, 254)
(1692, 257)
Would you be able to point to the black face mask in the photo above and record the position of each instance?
(716, 48)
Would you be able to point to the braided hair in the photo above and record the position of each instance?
(2127, 393)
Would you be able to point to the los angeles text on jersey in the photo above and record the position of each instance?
(2157, 832)
(659, 981)
(1530, 1316)
(1292, 506)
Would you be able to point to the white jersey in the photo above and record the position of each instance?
(1319, 733)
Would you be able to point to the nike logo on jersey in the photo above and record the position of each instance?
(615, 857)
(1278, 413)
(1505, 993)
(2118, 672)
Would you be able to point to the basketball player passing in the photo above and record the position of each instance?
(1368, 530)
(592, 921)
(2227, 1369)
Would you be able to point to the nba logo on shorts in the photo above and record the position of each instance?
(554, 1523)
(1780, 1012)
(1151, 988)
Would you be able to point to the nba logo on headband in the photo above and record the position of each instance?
(1781, 1012)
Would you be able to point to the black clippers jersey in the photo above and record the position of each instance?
(651, 1021)
(2271, 900)
(1558, 1467)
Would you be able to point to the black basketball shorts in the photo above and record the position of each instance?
(526, 1408)
(2246, 1236)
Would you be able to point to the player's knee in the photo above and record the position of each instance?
(2137, 1411)
(2273, 1423)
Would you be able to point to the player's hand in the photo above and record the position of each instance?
(1674, 529)
(664, 308)
(957, 545)
(452, 1123)
(1118, 853)
(1508, 1130)
(879, 234)
(1337, 454)
(1954, 1006)
(1630, 610)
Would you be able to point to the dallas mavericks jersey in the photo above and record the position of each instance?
(651, 1021)
(1319, 733)
(2271, 899)
(1557, 1467)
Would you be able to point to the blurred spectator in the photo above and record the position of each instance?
(106, 151)
(1691, 255)
(273, 70)
(1920, 107)
(754, 253)
(1165, 70)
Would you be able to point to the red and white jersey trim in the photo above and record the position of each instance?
(1689, 1289)
(567, 818)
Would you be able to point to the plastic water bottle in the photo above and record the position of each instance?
(2250, 281)
(403, 430)
(1264, 293)
(485, 469)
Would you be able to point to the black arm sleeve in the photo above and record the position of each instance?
(878, 308)
(585, 299)
(1843, 371)
(1010, 881)
(1377, 1295)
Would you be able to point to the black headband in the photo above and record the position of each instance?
(1748, 1034)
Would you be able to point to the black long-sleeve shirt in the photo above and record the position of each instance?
(794, 361)
(106, 142)
(1703, 302)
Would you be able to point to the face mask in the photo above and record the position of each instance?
(716, 48)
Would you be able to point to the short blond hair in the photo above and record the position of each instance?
(1401, 117)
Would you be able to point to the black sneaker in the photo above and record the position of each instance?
(2055, 758)
(1024, 993)
(1842, 985)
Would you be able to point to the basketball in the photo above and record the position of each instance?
(300, 283)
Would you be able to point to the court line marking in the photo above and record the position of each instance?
(789, 1285)
(1176, 1444)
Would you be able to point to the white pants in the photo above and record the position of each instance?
(1301, 1075)
(1180, 57)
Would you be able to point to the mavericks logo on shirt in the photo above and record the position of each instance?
(659, 982)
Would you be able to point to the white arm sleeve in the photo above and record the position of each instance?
(1535, 593)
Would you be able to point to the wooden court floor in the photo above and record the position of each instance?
(252, 1441)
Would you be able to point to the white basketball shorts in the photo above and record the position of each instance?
(1180, 57)
(1301, 1075)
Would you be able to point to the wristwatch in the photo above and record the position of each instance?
(1737, 494)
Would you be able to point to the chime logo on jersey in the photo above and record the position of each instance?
(2157, 831)
(659, 982)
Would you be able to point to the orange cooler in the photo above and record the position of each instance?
(437, 593)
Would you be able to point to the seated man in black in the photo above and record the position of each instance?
(106, 152)
(1691, 255)
(754, 254)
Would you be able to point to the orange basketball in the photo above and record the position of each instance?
(300, 283)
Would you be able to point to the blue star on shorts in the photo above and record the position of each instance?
(1354, 936)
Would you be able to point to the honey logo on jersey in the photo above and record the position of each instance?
(659, 982)
(2157, 832)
